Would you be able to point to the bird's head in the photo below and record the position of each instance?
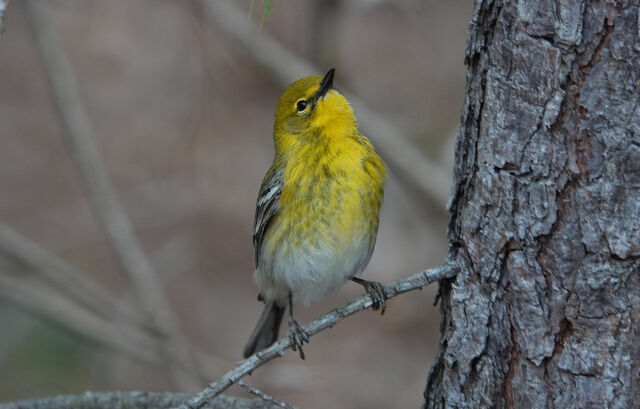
(310, 107)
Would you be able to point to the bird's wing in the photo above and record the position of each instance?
(268, 206)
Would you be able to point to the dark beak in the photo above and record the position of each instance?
(326, 83)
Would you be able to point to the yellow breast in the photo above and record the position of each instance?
(332, 187)
(332, 195)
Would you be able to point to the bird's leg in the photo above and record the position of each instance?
(297, 336)
(375, 290)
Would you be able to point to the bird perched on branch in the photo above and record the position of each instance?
(317, 212)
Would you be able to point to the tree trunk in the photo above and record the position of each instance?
(545, 212)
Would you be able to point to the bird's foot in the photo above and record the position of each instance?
(375, 290)
(297, 336)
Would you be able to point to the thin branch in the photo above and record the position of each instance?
(82, 141)
(33, 298)
(325, 321)
(403, 157)
(74, 301)
(267, 398)
(47, 303)
(28, 256)
(131, 400)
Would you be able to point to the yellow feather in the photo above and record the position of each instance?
(317, 212)
(333, 182)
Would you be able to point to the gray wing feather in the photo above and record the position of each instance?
(268, 206)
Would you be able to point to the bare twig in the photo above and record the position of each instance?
(402, 156)
(30, 257)
(31, 297)
(327, 320)
(36, 281)
(131, 400)
(49, 304)
(267, 398)
(81, 138)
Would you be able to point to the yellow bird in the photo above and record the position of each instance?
(317, 213)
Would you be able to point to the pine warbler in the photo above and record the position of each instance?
(317, 213)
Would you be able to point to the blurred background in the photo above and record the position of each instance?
(181, 111)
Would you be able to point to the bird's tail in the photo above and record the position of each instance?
(266, 331)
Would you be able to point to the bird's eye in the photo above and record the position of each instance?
(301, 105)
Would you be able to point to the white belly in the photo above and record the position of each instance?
(311, 273)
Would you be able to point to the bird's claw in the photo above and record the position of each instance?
(297, 336)
(375, 290)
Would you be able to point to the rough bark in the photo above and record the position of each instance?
(545, 212)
